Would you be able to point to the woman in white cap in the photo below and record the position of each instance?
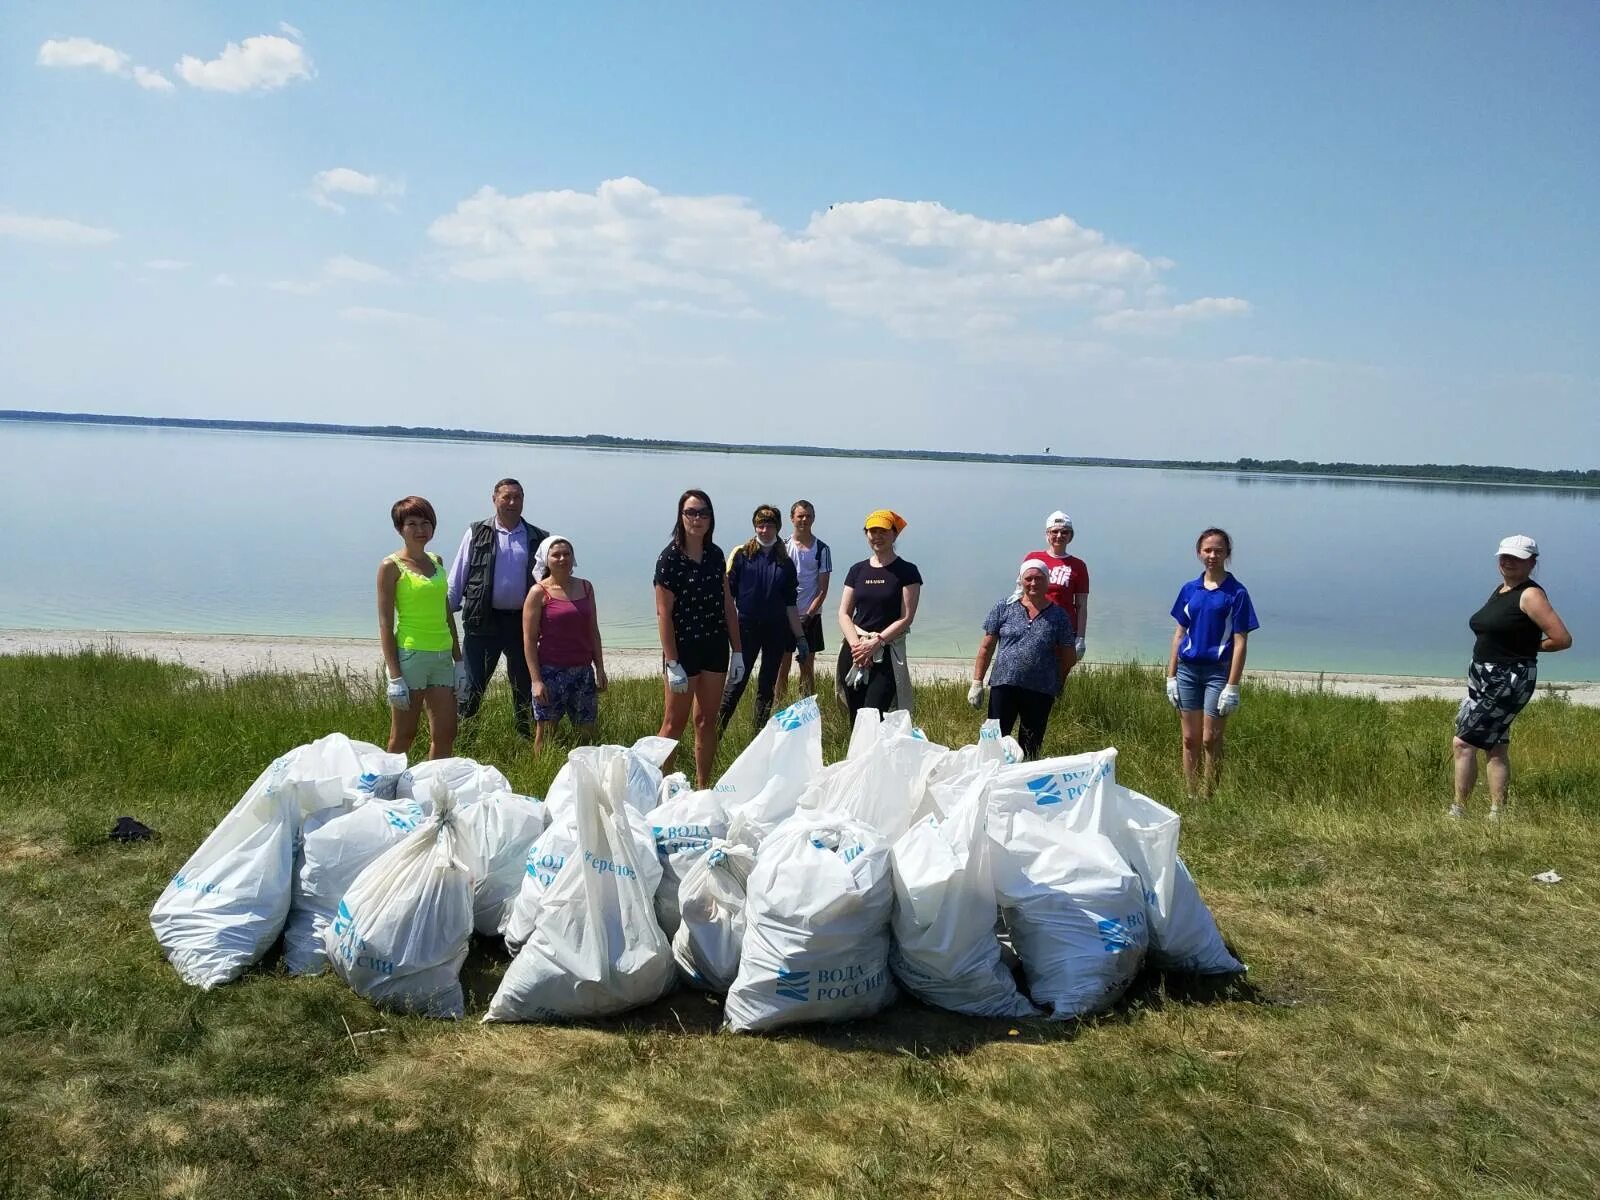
(561, 634)
(1512, 627)
(1031, 640)
(1069, 577)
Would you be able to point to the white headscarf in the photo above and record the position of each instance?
(541, 557)
(1037, 564)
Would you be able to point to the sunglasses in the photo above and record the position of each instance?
(696, 514)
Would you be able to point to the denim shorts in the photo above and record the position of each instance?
(427, 668)
(1199, 685)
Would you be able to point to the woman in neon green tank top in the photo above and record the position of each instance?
(418, 632)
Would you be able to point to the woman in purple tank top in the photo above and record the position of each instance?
(561, 630)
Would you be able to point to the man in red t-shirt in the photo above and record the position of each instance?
(1069, 577)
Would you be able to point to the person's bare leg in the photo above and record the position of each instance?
(706, 689)
(1212, 732)
(403, 725)
(808, 676)
(441, 702)
(1499, 773)
(1190, 722)
(781, 690)
(543, 731)
(674, 718)
(1466, 756)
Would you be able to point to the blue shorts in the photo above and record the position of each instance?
(1199, 685)
(571, 692)
(427, 669)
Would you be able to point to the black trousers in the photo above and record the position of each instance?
(879, 691)
(768, 642)
(482, 649)
(1009, 704)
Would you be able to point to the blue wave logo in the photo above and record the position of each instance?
(794, 985)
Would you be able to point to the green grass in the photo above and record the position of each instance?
(1421, 1018)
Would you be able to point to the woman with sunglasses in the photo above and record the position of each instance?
(696, 619)
(876, 609)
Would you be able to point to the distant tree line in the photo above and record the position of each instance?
(1457, 473)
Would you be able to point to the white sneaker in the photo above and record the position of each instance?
(1494, 812)
(1457, 812)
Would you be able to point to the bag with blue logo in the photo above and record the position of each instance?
(337, 846)
(712, 897)
(642, 771)
(1188, 940)
(683, 828)
(763, 785)
(945, 950)
(500, 827)
(399, 934)
(595, 948)
(1075, 911)
(816, 938)
(227, 905)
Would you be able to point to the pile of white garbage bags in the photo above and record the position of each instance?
(977, 882)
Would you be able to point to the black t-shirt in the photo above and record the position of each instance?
(697, 589)
(1506, 634)
(876, 592)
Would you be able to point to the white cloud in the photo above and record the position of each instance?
(82, 52)
(578, 318)
(343, 269)
(348, 181)
(166, 264)
(387, 316)
(151, 80)
(259, 63)
(223, 280)
(921, 269)
(1161, 319)
(285, 28)
(53, 229)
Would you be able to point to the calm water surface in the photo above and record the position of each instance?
(193, 531)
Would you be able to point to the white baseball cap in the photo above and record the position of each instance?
(1058, 520)
(1518, 545)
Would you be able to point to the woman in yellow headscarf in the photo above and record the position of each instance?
(876, 609)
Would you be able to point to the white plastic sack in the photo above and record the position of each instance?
(816, 939)
(595, 947)
(683, 828)
(883, 785)
(762, 787)
(712, 897)
(1188, 940)
(642, 772)
(400, 934)
(1075, 911)
(333, 852)
(501, 828)
(551, 849)
(466, 779)
(995, 747)
(226, 906)
(945, 950)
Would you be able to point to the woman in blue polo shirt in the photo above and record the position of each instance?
(764, 586)
(1215, 618)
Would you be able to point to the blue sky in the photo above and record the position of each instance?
(1140, 230)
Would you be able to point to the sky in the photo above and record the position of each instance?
(1361, 232)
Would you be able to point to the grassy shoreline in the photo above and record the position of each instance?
(1420, 1017)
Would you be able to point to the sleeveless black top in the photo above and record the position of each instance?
(1506, 634)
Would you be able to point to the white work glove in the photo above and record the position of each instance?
(463, 686)
(1172, 690)
(677, 677)
(975, 694)
(735, 668)
(1078, 646)
(1229, 700)
(399, 695)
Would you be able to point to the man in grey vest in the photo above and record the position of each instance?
(489, 580)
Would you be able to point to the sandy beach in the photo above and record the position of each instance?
(240, 654)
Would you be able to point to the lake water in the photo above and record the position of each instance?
(197, 531)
